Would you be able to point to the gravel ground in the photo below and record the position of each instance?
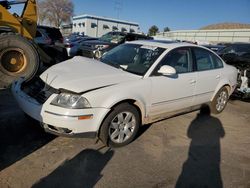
(191, 150)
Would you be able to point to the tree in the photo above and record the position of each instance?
(166, 29)
(153, 30)
(55, 12)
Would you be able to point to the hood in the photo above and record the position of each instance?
(81, 74)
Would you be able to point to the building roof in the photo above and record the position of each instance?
(87, 16)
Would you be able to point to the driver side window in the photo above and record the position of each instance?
(180, 59)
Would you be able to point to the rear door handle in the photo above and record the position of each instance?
(218, 77)
(192, 81)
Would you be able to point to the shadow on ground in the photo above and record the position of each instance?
(202, 168)
(19, 135)
(84, 170)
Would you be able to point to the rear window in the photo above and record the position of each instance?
(53, 33)
(205, 60)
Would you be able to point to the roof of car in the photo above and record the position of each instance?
(162, 44)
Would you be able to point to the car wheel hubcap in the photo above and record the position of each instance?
(122, 127)
(221, 101)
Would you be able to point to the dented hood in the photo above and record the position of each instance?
(81, 74)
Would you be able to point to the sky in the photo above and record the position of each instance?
(175, 14)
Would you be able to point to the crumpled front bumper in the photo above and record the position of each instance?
(58, 120)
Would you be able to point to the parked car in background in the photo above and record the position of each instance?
(73, 37)
(213, 47)
(42, 37)
(96, 48)
(50, 41)
(73, 45)
(135, 83)
(53, 33)
(238, 55)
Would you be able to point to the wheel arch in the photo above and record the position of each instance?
(226, 85)
(224, 82)
(138, 105)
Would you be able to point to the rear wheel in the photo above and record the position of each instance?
(220, 101)
(18, 58)
(120, 126)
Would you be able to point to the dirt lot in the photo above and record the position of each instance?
(190, 150)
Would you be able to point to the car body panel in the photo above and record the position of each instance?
(172, 93)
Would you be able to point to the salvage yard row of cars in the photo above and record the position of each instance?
(96, 47)
(133, 84)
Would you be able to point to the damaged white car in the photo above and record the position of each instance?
(133, 84)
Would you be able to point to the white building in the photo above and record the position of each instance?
(213, 36)
(96, 26)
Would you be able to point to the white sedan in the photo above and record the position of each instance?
(133, 84)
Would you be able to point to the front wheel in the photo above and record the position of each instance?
(120, 126)
(220, 101)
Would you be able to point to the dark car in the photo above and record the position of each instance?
(238, 55)
(50, 40)
(215, 48)
(95, 48)
(53, 33)
(73, 45)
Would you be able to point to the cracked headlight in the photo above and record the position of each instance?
(68, 100)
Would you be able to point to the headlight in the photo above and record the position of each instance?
(101, 47)
(74, 101)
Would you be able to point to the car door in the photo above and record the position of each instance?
(208, 67)
(173, 93)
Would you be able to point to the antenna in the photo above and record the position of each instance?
(118, 7)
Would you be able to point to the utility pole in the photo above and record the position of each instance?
(118, 7)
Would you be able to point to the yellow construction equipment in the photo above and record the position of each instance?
(19, 55)
(26, 24)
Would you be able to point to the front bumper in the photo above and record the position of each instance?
(58, 120)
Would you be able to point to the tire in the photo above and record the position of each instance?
(220, 101)
(115, 131)
(25, 62)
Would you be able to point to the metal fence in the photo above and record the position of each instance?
(227, 35)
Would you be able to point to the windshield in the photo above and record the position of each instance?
(113, 37)
(133, 58)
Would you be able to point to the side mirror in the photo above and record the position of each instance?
(167, 70)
